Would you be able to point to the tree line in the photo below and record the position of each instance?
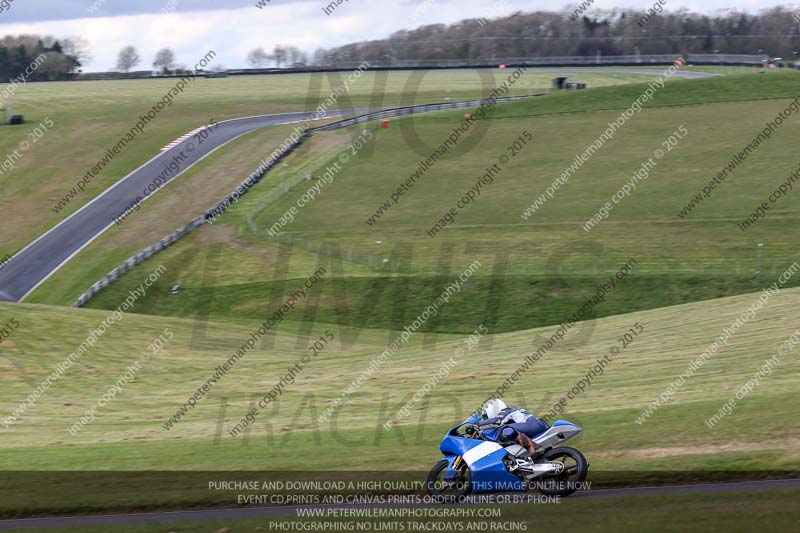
(774, 32)
(47, 59)
(164, 61)
(41, 58)
(281, 56)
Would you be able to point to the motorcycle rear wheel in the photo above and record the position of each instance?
(448, 489)
(576, 467)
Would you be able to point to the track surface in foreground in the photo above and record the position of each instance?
(244, 513)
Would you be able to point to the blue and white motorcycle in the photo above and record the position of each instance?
(476, 461)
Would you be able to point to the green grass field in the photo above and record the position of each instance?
(535, 272)
(129, 434)
(88, 117)
(692, 278)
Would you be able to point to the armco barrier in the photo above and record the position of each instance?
(173, 237)
(255, 177)
(409, 110)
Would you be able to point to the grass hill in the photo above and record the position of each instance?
(535, 272)
(129, 434)
(86, 118)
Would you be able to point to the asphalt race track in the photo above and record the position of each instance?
(31, 267)
(244, 513)
(37, 261)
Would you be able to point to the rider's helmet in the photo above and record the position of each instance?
(493, 407)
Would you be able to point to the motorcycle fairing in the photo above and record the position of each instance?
(485, 461)
(560, 431)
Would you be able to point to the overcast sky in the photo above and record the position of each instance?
(234, 27)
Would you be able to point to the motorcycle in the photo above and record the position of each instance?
(476, 462)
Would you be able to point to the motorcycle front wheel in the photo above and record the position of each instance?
(457, 488)
(576, 467)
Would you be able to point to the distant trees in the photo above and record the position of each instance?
(616, 32)
(295, 56)
(281, 55)
(320, 57)
(164, 60)
(56, 66)
(78, 50)
(258, 58)
(128, 58)
(36, 57)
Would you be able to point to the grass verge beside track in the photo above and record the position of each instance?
(536, 272)
(128, 434)
(90, 116)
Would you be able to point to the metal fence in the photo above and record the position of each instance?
(411, 64)
(219, 208)
(224, 204)
(729, 59)
(245, 186)
(553, 61)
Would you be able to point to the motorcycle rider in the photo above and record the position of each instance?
(516, 424)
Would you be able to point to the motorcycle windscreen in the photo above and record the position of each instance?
(492, 434)
(457, 445)
(488, 472)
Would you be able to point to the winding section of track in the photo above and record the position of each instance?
(31, 267)
(35, 263)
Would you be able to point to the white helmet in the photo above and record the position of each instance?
(493, 407)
